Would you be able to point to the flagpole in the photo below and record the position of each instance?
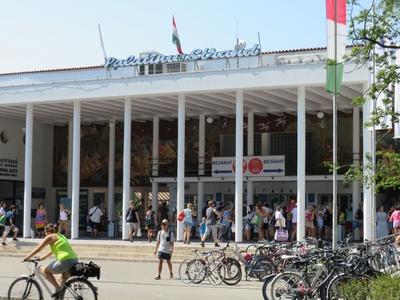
(373, 139)
(108, 72)
(334, 146)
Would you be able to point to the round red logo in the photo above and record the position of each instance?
(256, 166)
(244, 166)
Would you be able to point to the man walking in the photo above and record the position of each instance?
(95, 214)
(10, 226)
(211, 222)
(164, 247)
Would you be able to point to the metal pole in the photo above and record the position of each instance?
(334, 158)
(334, 150)
(373, 142)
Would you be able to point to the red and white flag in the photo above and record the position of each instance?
(336, 43)
(175, 37)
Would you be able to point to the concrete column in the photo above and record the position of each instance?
(180, 180)
(155, 156)
(356, 159)
(69, 171)
(250, 152)
(126, 177)
(239, 167)
(367, 191)
(111, 171)
(202, 153)
(301, 162)
(28, 170)
(76, 165)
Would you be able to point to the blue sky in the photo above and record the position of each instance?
(41, 34)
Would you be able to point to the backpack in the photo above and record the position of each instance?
(129, 215)
(150, 219)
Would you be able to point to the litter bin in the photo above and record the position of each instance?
(112, 229)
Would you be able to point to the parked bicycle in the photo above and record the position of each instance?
(76, 286)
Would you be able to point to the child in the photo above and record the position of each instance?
(203, 227)
(164, 248)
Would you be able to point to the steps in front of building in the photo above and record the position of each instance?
(141, 252)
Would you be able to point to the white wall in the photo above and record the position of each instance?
(42, 154)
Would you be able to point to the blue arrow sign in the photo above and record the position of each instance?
(222, 171)
(273, 171)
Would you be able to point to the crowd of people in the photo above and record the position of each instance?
(260, 221)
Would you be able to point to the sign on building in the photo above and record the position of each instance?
(252, 166)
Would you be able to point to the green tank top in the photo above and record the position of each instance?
(62, 249)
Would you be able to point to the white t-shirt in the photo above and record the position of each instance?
(165, 246)
(63, 215)
(280, 219)
(294, 215)
(95, 214)
(2, 211)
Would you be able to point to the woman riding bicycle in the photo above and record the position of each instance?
(66, 257)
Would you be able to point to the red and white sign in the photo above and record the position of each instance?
(252, 166)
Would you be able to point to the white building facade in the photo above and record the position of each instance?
(262, 106)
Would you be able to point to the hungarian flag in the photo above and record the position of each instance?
(336, 44)
(175, 37)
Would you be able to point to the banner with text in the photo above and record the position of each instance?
(252, 166)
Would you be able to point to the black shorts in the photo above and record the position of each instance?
(95, 226)
(265, 226)
(163, 255)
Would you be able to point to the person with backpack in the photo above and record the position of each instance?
(164, 248)
(10, 225)
(132, 219)
(150, 218)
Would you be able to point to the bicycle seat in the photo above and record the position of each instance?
(206, 253)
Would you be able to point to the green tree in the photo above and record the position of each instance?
(374, 32)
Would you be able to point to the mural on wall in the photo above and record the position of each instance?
(94, 152)
(94, 146)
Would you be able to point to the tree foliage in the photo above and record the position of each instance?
(374, 32)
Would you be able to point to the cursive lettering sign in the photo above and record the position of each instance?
(197, 54)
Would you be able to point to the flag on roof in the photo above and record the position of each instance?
(336, 44)
(175, 37)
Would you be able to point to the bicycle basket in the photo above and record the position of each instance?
(86, 270)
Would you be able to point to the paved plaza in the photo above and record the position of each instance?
(134, 280)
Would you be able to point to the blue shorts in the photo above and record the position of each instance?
(187, 224)
(59, 267)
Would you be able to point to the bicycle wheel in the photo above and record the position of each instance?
(79, 288)
(262, 267)
(183, 272)
(216, 273)
(334, 290)
(233, 271)
(25, 288)
(267, 286)
(288, 285)
(197, 270)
